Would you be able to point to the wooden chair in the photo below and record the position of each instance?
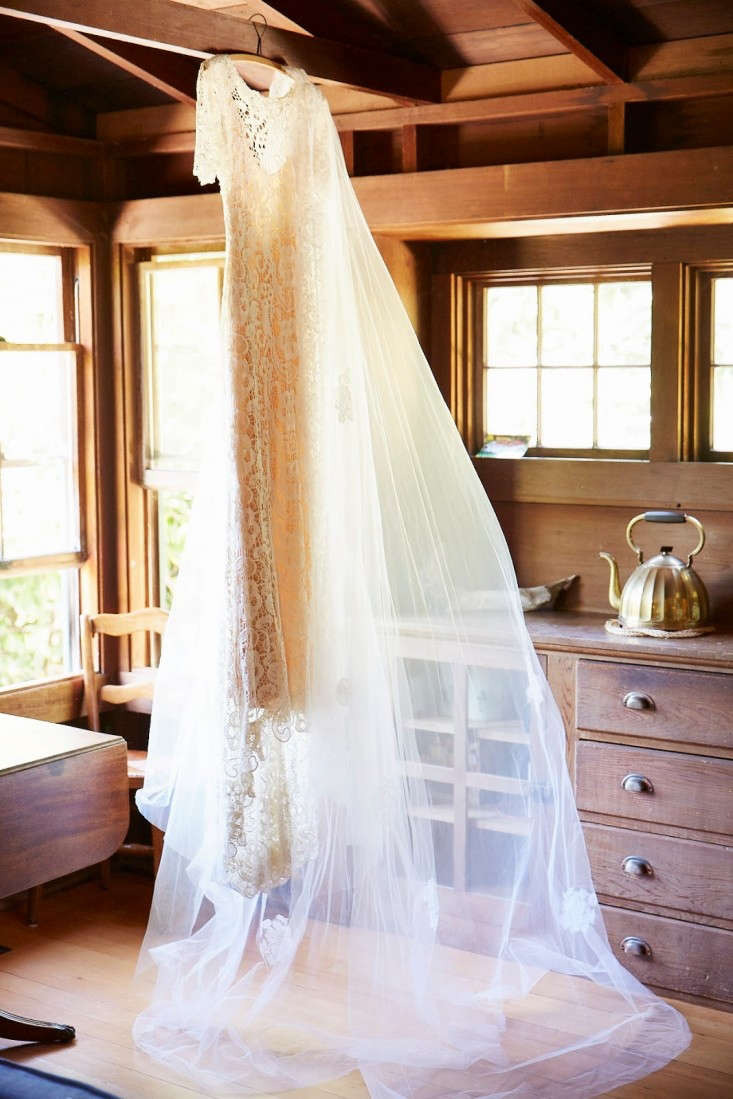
(136, 688)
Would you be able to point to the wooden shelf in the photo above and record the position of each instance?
(474, 780)
(432, 724)
(508, 732)
(482, 819)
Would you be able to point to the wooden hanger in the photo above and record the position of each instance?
(258, 71)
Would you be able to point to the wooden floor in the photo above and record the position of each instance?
(76, 968)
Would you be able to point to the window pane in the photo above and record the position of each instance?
(623, 408)
(36, 410)
(511, 403)
(567, 408)
(37, 635)
(30, 298)
(723, 408)
(185, 354)
(174, 509)
(624, 324)
(38, 506)
(566, 335)
(511, 326)
(723, 321)
(36, 511)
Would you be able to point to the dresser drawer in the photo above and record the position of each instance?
(684, 790)
(696, 707)
(685, 957)
(686, 875)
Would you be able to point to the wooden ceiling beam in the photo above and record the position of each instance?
(582, 33)
(536, 104)
(643, 188)
(640, 190)
(40, 106)
(170, 73)
(183, 29)
(40, 141)
(352, 24)
(24, 95)
(495, 108)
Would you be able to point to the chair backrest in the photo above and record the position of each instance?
(152, 619)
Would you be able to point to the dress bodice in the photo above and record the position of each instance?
(239, 128)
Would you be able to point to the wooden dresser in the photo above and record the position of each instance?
(650, 741)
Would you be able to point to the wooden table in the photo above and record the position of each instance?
(63, 806)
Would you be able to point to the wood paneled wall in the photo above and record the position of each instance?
(548, 541)
(409, 264)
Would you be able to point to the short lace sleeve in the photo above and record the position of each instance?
(209, 126)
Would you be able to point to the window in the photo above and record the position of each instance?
(567, 365)
(180, 299)
(721, 382)
(40, 528)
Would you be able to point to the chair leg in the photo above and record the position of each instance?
(105, 874)
(157, 847)
(34, 900)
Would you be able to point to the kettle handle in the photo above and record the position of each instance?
(666, 517)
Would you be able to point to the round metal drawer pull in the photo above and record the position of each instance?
(636, 700)
(639, 867)
(637, 784)
(639, 947)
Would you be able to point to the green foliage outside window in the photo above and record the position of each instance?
(174, 509)
(31, 627)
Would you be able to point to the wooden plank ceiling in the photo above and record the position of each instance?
(414, 85)
(432, 34)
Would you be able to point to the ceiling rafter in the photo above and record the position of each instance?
(494, 108)
(34, 101)
(576, 27)
(170, 73)
(37, 141)
(197, 33)
(352, 25)
(24, 95)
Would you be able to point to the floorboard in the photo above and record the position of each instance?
(77, 965)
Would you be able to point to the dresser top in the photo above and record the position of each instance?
(25, 742)
(570, 631)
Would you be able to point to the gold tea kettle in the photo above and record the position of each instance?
(663, 593)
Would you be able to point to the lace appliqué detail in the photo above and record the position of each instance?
(579, 909)
(274, 934)
(266, 142)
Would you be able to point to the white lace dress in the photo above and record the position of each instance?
(361, 870)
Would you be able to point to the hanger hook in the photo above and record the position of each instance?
(259, 29)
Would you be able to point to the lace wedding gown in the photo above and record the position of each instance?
(372, 856)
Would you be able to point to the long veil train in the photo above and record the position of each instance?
(372, 855)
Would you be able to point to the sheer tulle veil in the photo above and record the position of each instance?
(372, 856)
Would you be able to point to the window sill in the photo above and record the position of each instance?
(614, 482)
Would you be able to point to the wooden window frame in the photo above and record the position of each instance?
(138, 535)
(701, 380)
(59, 698)
(161, 477)
(481, 366)
(673, 475)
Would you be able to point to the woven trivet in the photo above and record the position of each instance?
(614, 626)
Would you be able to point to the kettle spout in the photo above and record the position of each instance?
(614, 589)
